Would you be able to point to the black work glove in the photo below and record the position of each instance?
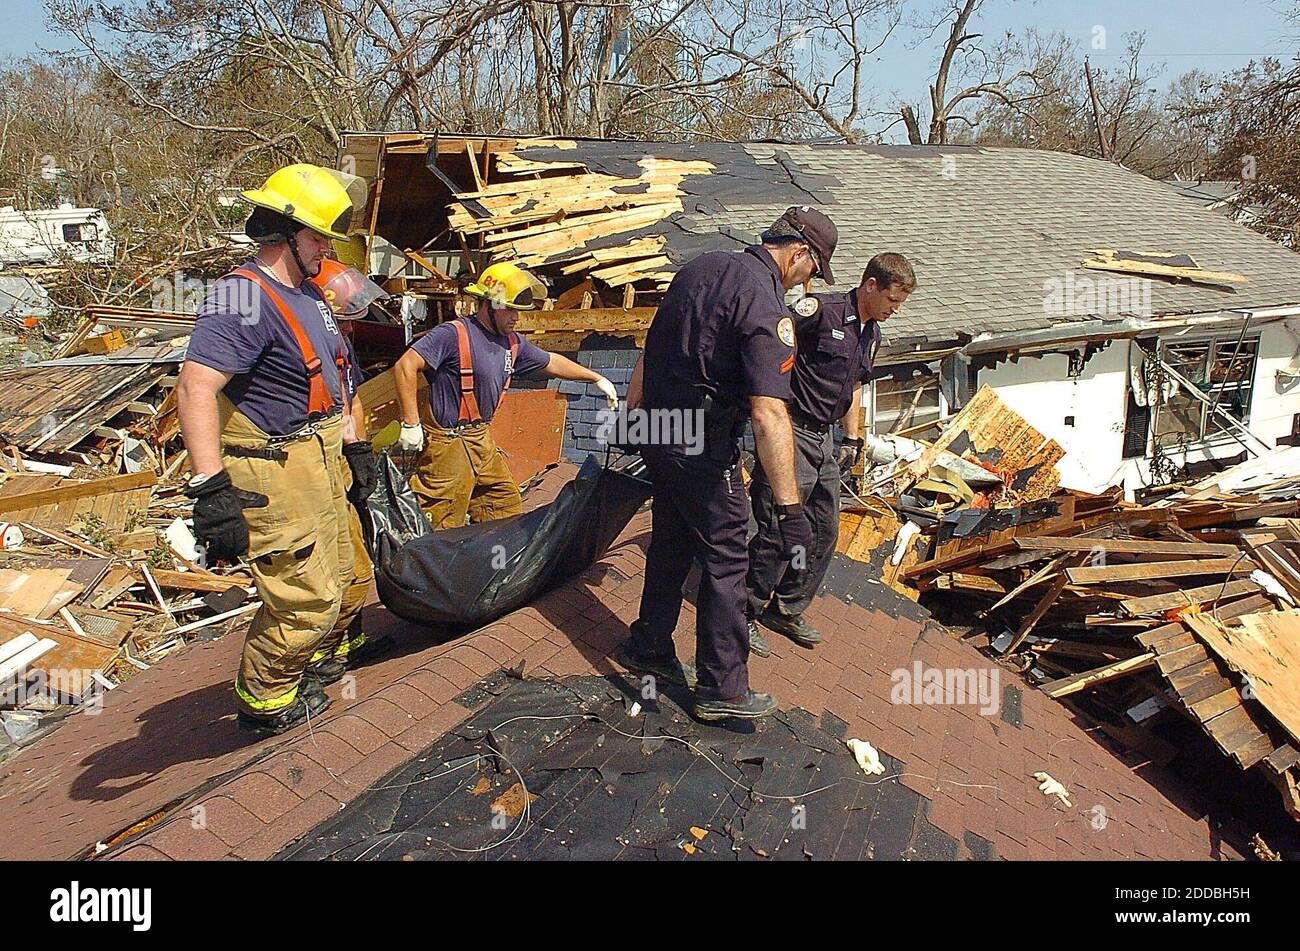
(219, 523)
(849, 454)
(796, 533)
(365, 470)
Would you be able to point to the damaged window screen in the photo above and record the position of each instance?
(1223, 368)
(904, 397)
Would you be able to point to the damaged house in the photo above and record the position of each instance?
(1153, 339)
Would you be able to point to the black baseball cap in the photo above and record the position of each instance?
(814, 229)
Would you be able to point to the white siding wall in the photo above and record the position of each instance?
(1040, 389)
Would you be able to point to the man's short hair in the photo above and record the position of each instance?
(891, 269)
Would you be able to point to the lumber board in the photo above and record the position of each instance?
(1148, 570)
(1122, 668)
(1127, 546)
(1047, 600)
(1151, 637)
(77, 490)
(1188, 596)
(1182, 658)
(1203, 687)
(192, 581)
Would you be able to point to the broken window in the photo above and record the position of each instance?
(904, 397)
(1223, 368)
(80, 233)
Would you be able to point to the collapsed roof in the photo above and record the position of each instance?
(998, 235)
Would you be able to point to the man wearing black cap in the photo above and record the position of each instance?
(720, 350)
(837, 338)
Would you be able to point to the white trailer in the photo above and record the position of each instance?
(48, 236)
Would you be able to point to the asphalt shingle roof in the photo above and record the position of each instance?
(987, 229)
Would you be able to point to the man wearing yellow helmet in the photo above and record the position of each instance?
(265, 413)
(469, 363)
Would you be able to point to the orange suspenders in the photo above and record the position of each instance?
(469, 411)
(319, 400)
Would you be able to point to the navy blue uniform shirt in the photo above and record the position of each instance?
(836, 354)
(239, 330)
(490, 354)
(724, 326)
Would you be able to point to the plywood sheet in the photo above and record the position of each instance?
(529, 428)
(989, 430)
(528, 425)
(869, 536)
(1265, 649)
(32, 591)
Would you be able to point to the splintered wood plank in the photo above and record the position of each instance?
(1042, 574)
(1152, 637)
(61, 598)
(997, 544)
(1176, 642)
(1207, 594)
(115, 583)
(1216, 703)
(1251, 604)
(1182, 680)
(1126, 546)
(1203, 687)
(1184, 657)
(1122, 668)
(1044, 603)
(76, 490)
(193, 580)
(958, 581)
(1148, 570)
(1236, 514)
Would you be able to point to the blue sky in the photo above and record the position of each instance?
(1212, 35)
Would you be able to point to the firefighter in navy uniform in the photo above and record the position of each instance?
(837, 335)
(721, 345)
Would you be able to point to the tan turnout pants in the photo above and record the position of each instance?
(462, 473)
(347, 635)
(299, 554)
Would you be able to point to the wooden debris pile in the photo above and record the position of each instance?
(558, 217)
(1183, 608)
(105, 400)
(1150, 620)
(97, 580)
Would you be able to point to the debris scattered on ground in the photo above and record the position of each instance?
(98, 570)
(1129, 613)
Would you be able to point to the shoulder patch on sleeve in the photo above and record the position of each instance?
(785, 330)
(807, 306)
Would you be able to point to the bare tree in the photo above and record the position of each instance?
(1117, 114)
(970, 71)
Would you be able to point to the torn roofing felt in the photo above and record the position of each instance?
(563, 770)
(738, 177)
